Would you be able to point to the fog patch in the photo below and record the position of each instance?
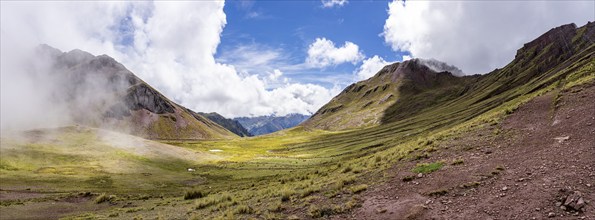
(439, 66)
(43, 87)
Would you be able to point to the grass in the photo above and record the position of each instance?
(104, 198)
(427, 167)
(194, 194)
(358, 189)
(296, 169)
(457, 162)
(439, 192)
(470, 185)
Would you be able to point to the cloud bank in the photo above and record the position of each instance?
(170, 45)
(477, 36)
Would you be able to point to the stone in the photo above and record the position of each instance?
(420, 175)
(575, 201)
(551, 215)
(562, 138)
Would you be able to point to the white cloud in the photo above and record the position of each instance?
(323, 53)
(333, 3)
(370, 67)
(253, 58)
(476, 36)
(274, 76)
(170, 45)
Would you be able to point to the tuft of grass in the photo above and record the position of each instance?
(439, 192)
(470, 185)
(408, 178)
(431, 149)
(359, 188)
(427, 167)
(243, 209)
(421, 156)
(457, 162)
(347, 169)
(309, 191)
(286, 195)
(275, 207)
(104, 198)
(345, 181)
(212, 200)
(318, 212)
(351, 204)
(194, 194)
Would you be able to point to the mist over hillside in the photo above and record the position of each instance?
(50, 88)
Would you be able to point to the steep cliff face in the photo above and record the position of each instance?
(98, 91)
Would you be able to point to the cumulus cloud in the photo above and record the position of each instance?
(323, 53)
(333, 3)
(170, 45)
(370, 67)
(274, 76)
(477, 36)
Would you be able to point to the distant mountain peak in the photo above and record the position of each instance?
(268, 124)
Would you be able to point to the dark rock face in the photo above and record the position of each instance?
(82, 73)
(143, 97)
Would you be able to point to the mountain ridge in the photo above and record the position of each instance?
(409, 88)
(98, 91)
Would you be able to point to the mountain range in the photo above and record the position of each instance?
(269, 124)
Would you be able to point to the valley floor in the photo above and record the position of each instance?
(532, 162)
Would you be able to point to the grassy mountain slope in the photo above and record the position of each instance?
(411, 84)
(230, 124)
(405, 90)
(306, 173)
(100, 92)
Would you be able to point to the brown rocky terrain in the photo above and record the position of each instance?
(538, 163)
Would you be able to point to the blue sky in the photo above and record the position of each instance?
(291, 26)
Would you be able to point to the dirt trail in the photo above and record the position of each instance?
(540, 157)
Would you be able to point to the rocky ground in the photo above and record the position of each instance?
(538, 163)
